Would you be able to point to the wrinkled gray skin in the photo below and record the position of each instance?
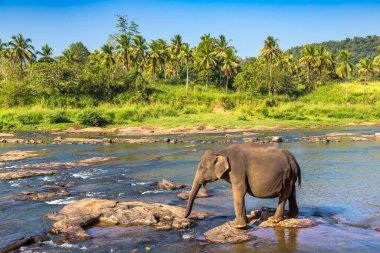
(261, 170)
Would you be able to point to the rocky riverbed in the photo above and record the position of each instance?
(128, 195)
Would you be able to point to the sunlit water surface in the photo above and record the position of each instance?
(341, 187)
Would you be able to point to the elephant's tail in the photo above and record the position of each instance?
(295, 167)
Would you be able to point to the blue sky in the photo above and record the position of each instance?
(247, 23)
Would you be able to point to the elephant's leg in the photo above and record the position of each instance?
(293, 207)
(239, 205)
(279, 215)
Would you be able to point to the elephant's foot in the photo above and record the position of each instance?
(239, 224)
(276, 219)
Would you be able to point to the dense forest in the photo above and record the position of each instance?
(129, 70)
(360, 47)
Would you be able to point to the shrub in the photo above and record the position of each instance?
(57, 117)
(189, 110)
(30, 118)
(91, 118)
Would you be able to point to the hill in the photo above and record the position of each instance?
(359, 46)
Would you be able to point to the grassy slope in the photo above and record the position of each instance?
(169, 108)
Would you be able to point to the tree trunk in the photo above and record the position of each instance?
(365, 84)
(187, 79)
(206, 82)
(227, 84)
(270, 76)
(346, 88)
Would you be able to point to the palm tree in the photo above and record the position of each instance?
(230, 64)
(175, 47)
(106, 55)
(164, 55)
(365, 67)
(46, 53)
(307, 60)
(269, 52)
(345, 67)
(221, 47)
(21, 50)
(139, 52)
(124, 46)
(321, 59)
(154, 57)
(186, 55)
(331, 61)
(206, 58)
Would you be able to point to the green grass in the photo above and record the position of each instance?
(169, 107)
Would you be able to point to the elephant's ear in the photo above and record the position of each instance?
(221, 165)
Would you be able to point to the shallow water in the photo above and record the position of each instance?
(340, 190)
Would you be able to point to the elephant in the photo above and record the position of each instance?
(261, 170)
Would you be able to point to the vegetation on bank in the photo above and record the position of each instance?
(135, 82)
(324, 106)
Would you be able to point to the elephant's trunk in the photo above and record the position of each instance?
(194, 191)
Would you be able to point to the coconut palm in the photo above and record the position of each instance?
(21, 50)
(270, 50)
(229, 64)
(124, 50)
(221, 46)
(139, 52)
(154, 57)
(321, 59)
(345, 67)
(186, 55)
(46, 53)
(164, 55)
(106, 55)
(206, 58)
(331, 61)
(307, 61)
(366, 68)
(175, 48)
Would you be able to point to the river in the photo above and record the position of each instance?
(341, 189)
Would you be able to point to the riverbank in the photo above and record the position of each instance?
(169, 108)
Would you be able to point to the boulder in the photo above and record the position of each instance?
(17, 155)
(169, 185)
(202, 193)
(71, 220)
(39, 196)
(17, 174)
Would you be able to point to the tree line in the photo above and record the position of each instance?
(128, 67)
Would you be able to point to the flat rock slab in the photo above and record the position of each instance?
(71, 220)
(59, 187)
(202, 193)
(7, 134)
(167, 185)
(40, 196)
(69, 165)
(17, 174)
(17, 155)
(226, 233)
(60, 140)
(289, 223)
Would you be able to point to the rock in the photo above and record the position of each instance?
(17, 174)
(69, 165)
(169, 185)
(253, 139)
(17, 155)
(340, 134)
(174, 141)
(257, 219)
(289, 223)
(39, 196)
(7, 134)
(377, 135)
(201, 194)
(359, 139)
(319, 140)
(200, 128)
(156, 158)
(71, 220)
(23, 241)
(59, 187)
(226, 233)
(277, 139)
(377, 229)
(34, 142)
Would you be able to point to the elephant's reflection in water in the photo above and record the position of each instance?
(287, 238)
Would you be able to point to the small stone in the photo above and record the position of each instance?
(277, 139)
